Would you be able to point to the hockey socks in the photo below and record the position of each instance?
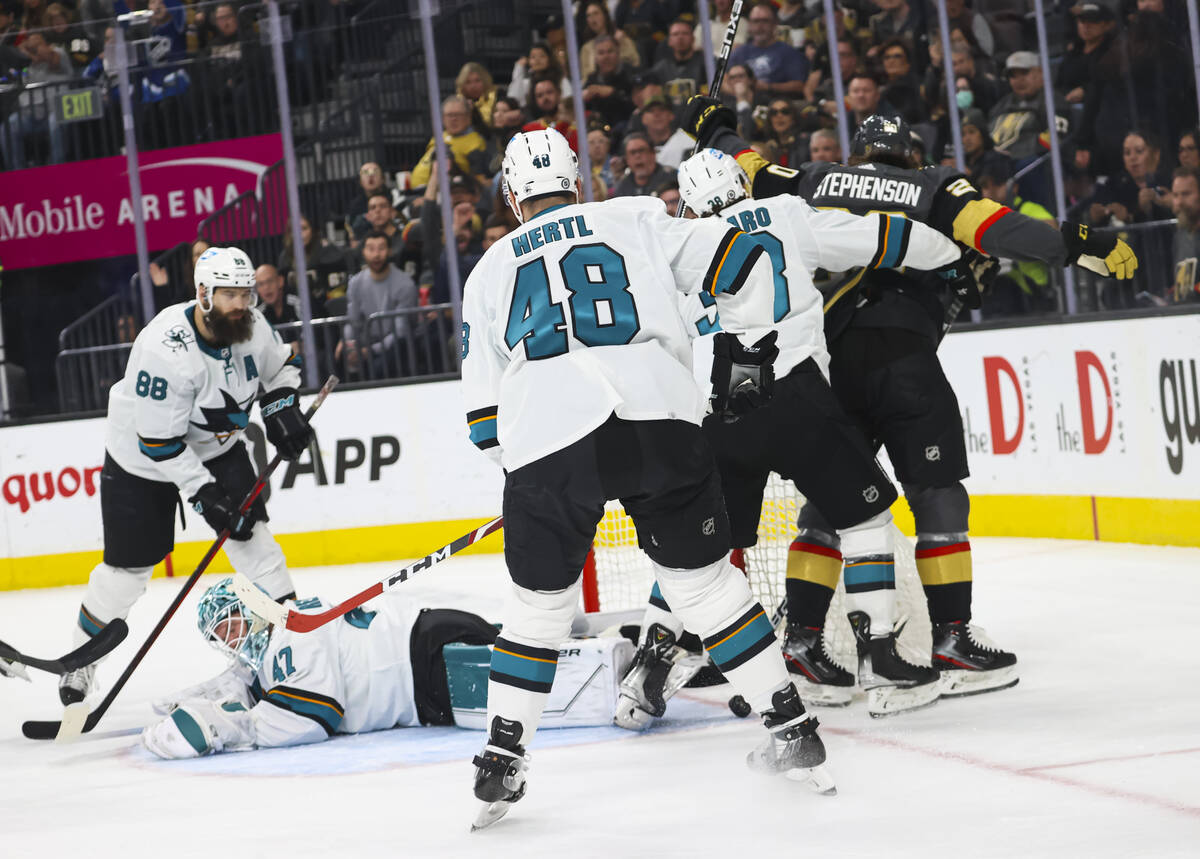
(813, 566)
(944, 564)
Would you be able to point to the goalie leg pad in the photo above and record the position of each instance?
(261, 560)
(716, 602)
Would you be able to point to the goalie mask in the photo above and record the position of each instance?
(536, 164)
(223, 268)
(711, 180)
(228, 626)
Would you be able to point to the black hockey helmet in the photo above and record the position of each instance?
(887, 136)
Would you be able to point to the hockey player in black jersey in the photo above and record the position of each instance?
(883, 328)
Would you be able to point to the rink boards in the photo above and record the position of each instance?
(1086, 431)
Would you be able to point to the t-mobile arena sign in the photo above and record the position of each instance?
(79, 211)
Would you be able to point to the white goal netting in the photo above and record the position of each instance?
(623, 575)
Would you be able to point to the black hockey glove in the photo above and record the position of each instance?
(1103, 253)
(286, 427)
(221, 512)
(743, 377)
(703, 117)
(961, 280)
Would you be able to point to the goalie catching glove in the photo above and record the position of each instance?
(1105, 254)
(201, 728)
(743, 377)
(286, 426)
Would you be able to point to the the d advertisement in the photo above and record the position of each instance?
(80, 211)
(1102, 408)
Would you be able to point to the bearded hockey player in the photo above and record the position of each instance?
(174, 432)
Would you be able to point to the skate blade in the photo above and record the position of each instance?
(822, 694)
(631, 717)
(74, 718)
(490, 813)
(893, 700)
(959, 683)
(818, 779)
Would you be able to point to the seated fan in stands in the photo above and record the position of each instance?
(803, 434)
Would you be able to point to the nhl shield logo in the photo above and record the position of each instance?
(709, 527)
(933, 453)
(871, 494)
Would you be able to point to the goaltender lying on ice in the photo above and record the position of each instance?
(398, 665)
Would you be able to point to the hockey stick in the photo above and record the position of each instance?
(272, 612)
(85, 654)
(72, 723)
(735, 18)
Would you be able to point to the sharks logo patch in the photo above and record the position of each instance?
(227, 420)
(178, 338)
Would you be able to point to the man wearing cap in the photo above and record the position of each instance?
(780, 69)
(1095, 29)
(671, 144)
(1018, 121)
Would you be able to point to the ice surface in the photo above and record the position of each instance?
(1095, 753)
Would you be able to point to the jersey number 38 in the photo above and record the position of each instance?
(603, 312)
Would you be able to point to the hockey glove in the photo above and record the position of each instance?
(743, 377)
(9, 668)
(286, 427)
(201, 728)
(1103, 253)
(959, 276)
(703, 117)
(221, 512)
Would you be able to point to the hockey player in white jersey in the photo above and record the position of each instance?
(174, 431)
(368, 671)
(804, 435)
(577, 380)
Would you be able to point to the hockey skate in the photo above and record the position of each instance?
(74, 686)
(820, 679)
(892, 683)
(659, 669)
(499, 772)
(968, 663)
(793, 749)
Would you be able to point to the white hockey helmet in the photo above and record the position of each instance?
(711, 180)
(537, 163)
(219, 268)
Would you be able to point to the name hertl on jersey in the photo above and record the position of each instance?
(182, 401)
(574, 317)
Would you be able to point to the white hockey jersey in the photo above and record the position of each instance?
(351, 675)
(182, 402)
(574, 316)
(801, 239)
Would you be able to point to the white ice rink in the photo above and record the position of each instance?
(1096, 753)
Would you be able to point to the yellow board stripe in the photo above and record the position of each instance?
(1123, 520)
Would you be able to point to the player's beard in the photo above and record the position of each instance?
(227, 329)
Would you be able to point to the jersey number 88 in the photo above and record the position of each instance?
(153, 387)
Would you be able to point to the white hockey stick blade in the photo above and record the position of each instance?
(74, 717)
(489, 814)
(818, 779)
(258, 602)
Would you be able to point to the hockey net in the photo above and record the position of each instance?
(618, 575)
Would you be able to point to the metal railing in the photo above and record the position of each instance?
(85, 374)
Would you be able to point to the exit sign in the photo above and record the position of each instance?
(79, 104)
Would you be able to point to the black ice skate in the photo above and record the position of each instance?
(793, 750)
(74, 686)
(892, 683)
(821, 680)
(969, 666)
(499, 772)
(660, 668)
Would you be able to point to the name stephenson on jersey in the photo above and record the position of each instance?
(182, 401)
